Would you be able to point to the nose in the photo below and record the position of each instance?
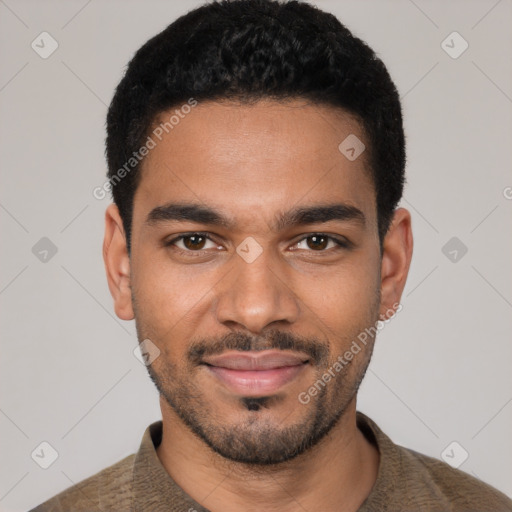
(256, 294)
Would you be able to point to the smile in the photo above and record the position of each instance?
(256, 373)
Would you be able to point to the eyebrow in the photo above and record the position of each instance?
(191, 212)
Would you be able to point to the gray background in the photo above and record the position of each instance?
(441, 369)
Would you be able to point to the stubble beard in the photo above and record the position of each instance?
(257, 439)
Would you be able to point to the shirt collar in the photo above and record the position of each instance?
(153, 488)
(153, 485)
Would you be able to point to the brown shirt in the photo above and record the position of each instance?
(406, 481)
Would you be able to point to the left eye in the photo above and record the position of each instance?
(319, 242)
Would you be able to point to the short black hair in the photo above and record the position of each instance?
(246, 50)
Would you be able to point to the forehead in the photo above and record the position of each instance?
(260, 158)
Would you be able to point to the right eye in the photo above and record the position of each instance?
(192, 242)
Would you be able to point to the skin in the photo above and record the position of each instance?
(253, 163)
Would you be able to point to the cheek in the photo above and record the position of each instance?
(169, 300)
(342, 295)
(174, 294)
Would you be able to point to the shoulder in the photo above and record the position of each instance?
(459, 489)
(109, 489)
(408, 480)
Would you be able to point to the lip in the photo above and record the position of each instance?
(264, 360)
(256, 373)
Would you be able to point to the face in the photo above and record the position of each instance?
(255, 264)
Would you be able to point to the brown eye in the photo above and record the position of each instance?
(317, 242)
(321, 242)
(194, 242)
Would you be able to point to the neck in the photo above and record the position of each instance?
(337, 474)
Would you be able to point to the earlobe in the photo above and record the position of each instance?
(117, 263)
(396, 260)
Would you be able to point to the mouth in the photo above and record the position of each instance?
(256, 373)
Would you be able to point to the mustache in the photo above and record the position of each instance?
(317, 350)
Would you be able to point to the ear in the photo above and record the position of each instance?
(117, 263)
(396, 259)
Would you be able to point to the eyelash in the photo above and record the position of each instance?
(341, 244)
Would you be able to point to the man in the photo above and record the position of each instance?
(256, 158)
